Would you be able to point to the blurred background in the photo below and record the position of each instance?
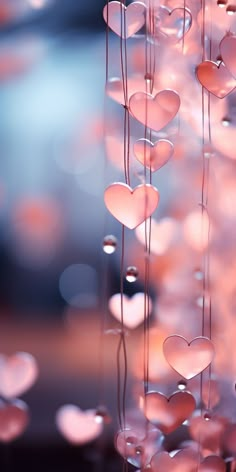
(52, 75)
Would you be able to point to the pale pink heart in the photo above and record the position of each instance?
(215, 78)
(209, 433)
(115, 88)
(124, 21)
(138, 447)
(174, 24)
(155, 112)
(77, 426)
(153, 155)
(17, 374)
(163, 233)
(168, 413)
(184, 461)
(14, 419)
(188, 359)
(131, 206)
(133, 308)
(212, 464)
(227, 51)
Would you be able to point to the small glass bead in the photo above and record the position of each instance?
(131, 440)
(231, 10)
(139, 450)
(222, 3)
(207, 416)
(109, 244)
(198, 275)
(225, 122)
(102, 415)
(131, 274)
(182, 385)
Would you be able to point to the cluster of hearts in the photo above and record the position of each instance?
(212, 437)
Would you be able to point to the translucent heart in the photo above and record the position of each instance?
(133, 308)
(188, 359)
(153, 156)
(77, 426)
(14, 419)
(131, 206)
(168, 413)
(17, 374)
(137, 446)
(215, 78)
(124, 21)
(155, 112)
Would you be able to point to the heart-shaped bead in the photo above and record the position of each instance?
(153, 156)
(184, 461)
(131, 206)
(137, 446)
(215, 78)
(14, 419)
(168, 413)
(133, 308)
(17, 374)
(155, 112)
(209, 431)
(77, 426)
(173, 24)
(227, 51)
(188, 359)
(124, 21)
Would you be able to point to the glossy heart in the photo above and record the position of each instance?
(209, 433)
(188, 359)
(215, 78)
(183, 461)
(14, 419)
(138, 447)
(174, 24)
(153, 156)
(124, 21)
(227, 51)
(77, 426)
(168, 413)
(131, 206)
(17, 374)
(133, 308)
(155, 112)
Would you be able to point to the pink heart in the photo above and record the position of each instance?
(168, 413)
(133, 308)
(209, 433)
(215, 78)
(124, 21)
(155, 112)
(227, 51)
(174, 24)
(153, 156)
(229, 439)
(188, 359)
(17, 374)
(131, 207)
(136, 446)
(77, 426)
(184, 461)
(14, 419)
